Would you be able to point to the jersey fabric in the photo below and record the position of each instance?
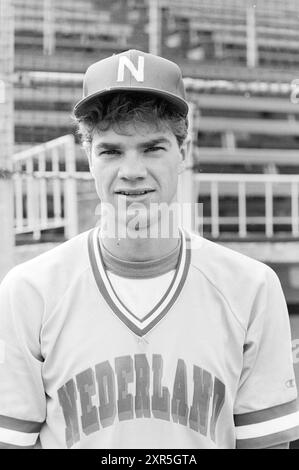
(210, 366)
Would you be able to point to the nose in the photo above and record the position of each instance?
(132, 166)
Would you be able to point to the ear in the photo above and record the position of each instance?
(185, 153)
(186, 149)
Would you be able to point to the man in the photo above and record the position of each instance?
(131, 337)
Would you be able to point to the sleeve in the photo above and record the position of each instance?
(266, 408)
(22, 395)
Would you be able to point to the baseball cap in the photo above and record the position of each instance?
(137, 71)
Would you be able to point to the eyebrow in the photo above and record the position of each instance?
(158, 140)
(107, 146)
(119, 145)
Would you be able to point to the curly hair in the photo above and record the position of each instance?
(119, 109)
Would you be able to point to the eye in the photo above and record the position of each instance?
(154, 148)
(109, 152)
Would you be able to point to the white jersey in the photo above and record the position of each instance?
(209, 366)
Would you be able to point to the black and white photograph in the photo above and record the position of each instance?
(149, 227)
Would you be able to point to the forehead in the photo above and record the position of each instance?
(132, 133)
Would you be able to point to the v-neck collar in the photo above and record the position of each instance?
(139, 326)
(140, 269)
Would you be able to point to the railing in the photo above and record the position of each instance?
(45, 195)
(264, 218)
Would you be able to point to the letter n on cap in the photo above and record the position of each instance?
(138, 73)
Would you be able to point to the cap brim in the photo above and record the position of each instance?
(81, 107)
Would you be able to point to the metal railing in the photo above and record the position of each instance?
(45, 194)
(213, 189)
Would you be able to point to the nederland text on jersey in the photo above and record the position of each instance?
(114, 399)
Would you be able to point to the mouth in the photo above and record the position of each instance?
(134, 192)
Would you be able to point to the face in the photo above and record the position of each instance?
(137, 168)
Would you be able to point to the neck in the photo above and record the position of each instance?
(141, 248)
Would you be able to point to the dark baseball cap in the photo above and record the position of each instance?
(136, 71)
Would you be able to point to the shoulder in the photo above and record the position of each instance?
(245, 284)
(55, 267)
(219, 262)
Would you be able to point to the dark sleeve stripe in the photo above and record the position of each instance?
(19, 424)
(265, 415)
(4, 446)
(270, 440)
